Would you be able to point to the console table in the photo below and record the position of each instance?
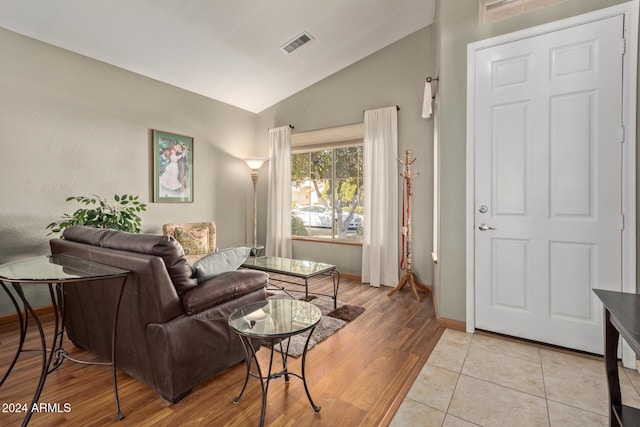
(621, 317)
(54, 271)
(295, 268)
(275, 320)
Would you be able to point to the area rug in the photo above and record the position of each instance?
(330, 322)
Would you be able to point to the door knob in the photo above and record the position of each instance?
(485, 227)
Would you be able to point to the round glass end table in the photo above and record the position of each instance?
(275, 320)
(56, 271)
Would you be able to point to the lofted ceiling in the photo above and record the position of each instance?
(228, 50)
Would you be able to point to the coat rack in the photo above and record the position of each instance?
(408, 277)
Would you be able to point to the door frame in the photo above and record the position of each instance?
(630, 12)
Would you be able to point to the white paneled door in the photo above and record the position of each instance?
(548, 183)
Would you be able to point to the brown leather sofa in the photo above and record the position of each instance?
(172, 331)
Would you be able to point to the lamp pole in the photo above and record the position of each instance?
(254, 164)
(254, 178)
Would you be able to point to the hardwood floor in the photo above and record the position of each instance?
(359, 376)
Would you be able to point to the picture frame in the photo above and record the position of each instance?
(172, 167)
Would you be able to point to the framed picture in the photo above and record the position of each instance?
(172, 167)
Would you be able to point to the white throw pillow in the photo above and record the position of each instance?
(214, 264)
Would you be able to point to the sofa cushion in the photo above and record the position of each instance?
(223, 261)
(194, 241)
(169, 230)
(165, 247)
(222, 288)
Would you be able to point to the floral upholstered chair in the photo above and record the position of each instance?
(198, 239)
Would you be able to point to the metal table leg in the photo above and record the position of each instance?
(335, 287)
(250, 355)
(23, 332)
(56, 351)
(46, 361)
(119, 414)
(315, 407)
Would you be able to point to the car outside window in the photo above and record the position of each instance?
(326, 194)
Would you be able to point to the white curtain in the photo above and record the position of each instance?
(279, 197)
(381, 228)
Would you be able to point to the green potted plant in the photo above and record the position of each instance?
(122, 214)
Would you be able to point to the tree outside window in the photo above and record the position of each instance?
(327, 191)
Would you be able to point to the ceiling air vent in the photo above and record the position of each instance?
(292, 45)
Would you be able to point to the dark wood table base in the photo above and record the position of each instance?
(621, 317)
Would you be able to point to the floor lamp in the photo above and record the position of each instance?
(254, 164)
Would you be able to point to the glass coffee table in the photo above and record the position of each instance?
(302, 273)
(275, 320)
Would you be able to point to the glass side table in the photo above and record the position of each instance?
(275, 320)
(54, 271)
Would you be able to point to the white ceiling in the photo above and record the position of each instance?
(228, 50)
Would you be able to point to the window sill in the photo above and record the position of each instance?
(334, 241)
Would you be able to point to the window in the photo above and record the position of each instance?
(327, 191)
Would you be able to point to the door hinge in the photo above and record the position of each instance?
(623, 45)
(621, 134)
(622, 222)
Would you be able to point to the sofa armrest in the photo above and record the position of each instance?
(222, 288)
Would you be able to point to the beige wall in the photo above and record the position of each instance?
(70, 125)
(394, 75)
(457, 25)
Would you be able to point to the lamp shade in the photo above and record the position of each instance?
(255, 162)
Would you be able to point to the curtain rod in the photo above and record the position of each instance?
(397, 109)
(290, 127)
(429, 78)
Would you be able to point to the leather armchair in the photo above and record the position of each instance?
(172, 331)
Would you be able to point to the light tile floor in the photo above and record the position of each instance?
(487, 380)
